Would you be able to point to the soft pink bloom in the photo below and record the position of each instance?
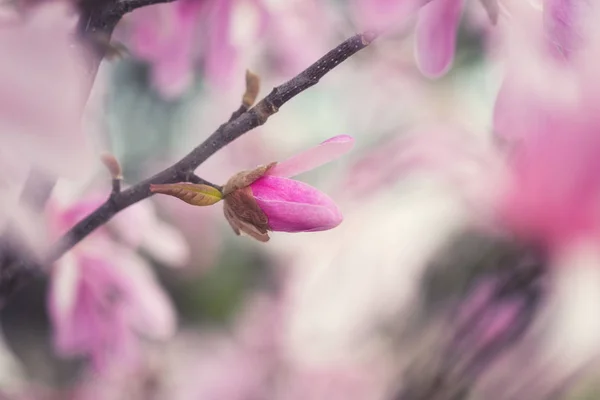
(293, 206)
(42, 61)
(561, 20)
(436, 32)
(178, 37)
(552, 130)
(309, 22)
(221, 52)
(164, 36)
(103, 295)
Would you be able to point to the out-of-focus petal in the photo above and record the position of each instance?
(150, 310)
(312, 158)
(167, 245)
(382, 14)
(41, 58)
(492, 9)
(139, 226)
(95, 325)
(164, 36)
(560, 24)
(436, 36)
(293, 206)
(64, 286)
(220, 52)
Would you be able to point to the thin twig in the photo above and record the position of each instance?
(224, 135)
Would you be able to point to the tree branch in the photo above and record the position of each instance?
(102, 16)
(225, 134)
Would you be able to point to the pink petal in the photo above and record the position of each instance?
(436, 36)
(92, 322)
(62, 295)
(170, 47)
(294, 206)
(560, 24)
(221, 55)
(555, 193)
(312, 158)
(150, 311)
(41, 58)
(139, 227)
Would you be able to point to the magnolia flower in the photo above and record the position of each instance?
(265, 199)
(163, 35)
(42, 58)
(436, 30)
(284, 204)
(102, 295)
(168, 37)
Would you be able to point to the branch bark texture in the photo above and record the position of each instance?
(183, 170)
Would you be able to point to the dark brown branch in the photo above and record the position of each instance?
(102, 16)
(224, 135)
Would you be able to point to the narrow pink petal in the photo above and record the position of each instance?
(221, 54)
(294, 206)
(149, 310)
(560, 24)
(312, 158)
(40, 58)
(436, 36)
(63, 298)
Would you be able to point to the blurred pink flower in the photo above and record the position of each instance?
(552, 129)
(164, 36)
(436, 30)
(293, 206)
(43, 60)
(102, 294)
(309, 22)
(252, 362)
(173, 38)
(561, 22)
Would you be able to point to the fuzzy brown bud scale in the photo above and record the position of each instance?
(240, 208)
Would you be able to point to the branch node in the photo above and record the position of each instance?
(264, 109)
(368, 37)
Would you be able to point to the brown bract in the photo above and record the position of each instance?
(245, 178)
(240, 208)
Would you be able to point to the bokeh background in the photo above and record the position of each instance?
(367, 310)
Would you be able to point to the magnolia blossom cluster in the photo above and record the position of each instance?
(532, 180)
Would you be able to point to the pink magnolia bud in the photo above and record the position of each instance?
(267, 200)
(294, 206)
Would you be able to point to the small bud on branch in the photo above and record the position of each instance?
(252, 89)
(192, 193)
(112, 165)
